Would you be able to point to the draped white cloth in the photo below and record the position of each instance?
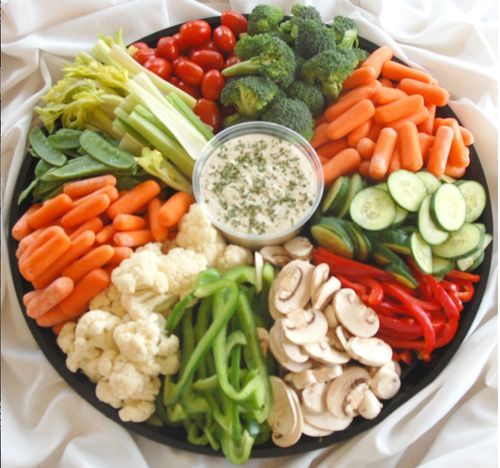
(452, 422)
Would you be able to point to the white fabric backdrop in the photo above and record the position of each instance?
(453, 422)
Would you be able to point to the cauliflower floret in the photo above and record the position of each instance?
(140, 271)
(95, 331)
(233, 256)
(66, 338)
(136, 410)
(108, 300)
(151, 246)
(141, 304)
(182, 266)
(197, 233)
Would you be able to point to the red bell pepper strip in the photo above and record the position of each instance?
(465, 290)
(361, 289)
(404, 356)
(389, 309)
(442, 297)
(453, 292)
(397, 328)
(376, 295)
(463, 275)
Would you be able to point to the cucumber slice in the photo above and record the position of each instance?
(461, 243)
(447, 179)
(397, 240)
(382, 186)
(421, 253)
(334, 237)
(448, 208)
(402, 274)
(441, 266)
(430, 181)
(466, 263)
(428, 229)
(385, 256)
(336, 196)
(475, 199)
(477, 262)
(372, 209)
(363, 243)
(400, 217)
(355, 186)
(354, 238)
(407, 189)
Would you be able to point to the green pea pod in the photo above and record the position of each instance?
(43, 189)
(42, 167)
(25, 193)
(44, 149)
(83, 166)
(105, 152)
(65, 139)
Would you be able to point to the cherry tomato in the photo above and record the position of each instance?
(190, 89)
(224, 38)
(180, 43)
(212, 84)
(174, 80)
(189, 72)
(208, 112)
(167, 48)
(195, 33)
(177, 61)
(207, 59)
(140, 45)
(231, 60)
(159, 66)
(234, 21)
(142, 55)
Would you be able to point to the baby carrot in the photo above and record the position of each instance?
(94, 225)
(425, 141)
(94, 206)
(120, 254)
(395, 164)
(397, 72)
(134, 199)
(344, 162)
(49, 297)
(365, 148)
(174, 209)
(467, 136)
(96, 258)
(29, 296)
(409, 147)
(359, 132)
(57, 328)
(385, 95)
(80, 188)
(27, 241)
(319, 136)
(109, 190)
(105, 235)
(348, 100)
(432, 94)
(374, 130)
(331, 149)
(378, 58)
(158, 231)
(387, 83)
(22, 228)
(350, 119)
(319, 120)
(382, 153)
(454, 171)
(133, 238)
(427, 125)
(459, 153)
(359, 77)
(79, 246)
(438, 156)
(416, 118)
(398, 109)
(364, 169)
(39, 240)
(323, 159)
(127, 222)
(50, 211)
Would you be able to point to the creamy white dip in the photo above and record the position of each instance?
(258, 184)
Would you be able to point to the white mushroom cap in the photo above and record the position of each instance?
(343, 336)
(324, 353)
(275, 255)
(313, 397)
(305, 326)
(390, 366)
(355, 316)
(326, 374)
(354, 399)
(325, 420)
(299, 247)
(369, 351)
(329, 312)
(325, 293)
(320, 275)
(292, 351)
(312, 431)
(385, 383)
(370, 406)
(281, 357)
(300, 380)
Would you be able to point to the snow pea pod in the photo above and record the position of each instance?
(42, 167)
(104, 152)
(65, 139)
(83, 166)
(41, 146)
(24, 194)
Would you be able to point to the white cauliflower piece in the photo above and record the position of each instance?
(66, 338)
(141, 304)
(197, 233)
(182, 266)
(108, 300)
(151, 246)
(233, 256)
(136, 410)
(140, 271)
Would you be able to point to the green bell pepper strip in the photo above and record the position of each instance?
(201, 325)
(234, 376)
(237, 454)
(188, 337)
(195, 435)
(241, 274)
(178, 312)
(235, 339)
(194, 404)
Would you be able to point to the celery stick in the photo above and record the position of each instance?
(124, 128)
(141, 110)
(130, 144)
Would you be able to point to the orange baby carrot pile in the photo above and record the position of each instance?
(383, 94)
(69, 245)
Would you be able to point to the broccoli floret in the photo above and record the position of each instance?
(290, 113)
(346, 32)
(264, 19)
(309, 94)
(329, 69)
(265, 55)
(313, 38)
(236, 119)
(300, 13)
(249, 94)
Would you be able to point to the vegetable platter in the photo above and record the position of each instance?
(183, 316)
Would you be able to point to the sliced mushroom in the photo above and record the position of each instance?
(312, 431)
(390, 366)
(370, 406)
(369, 351)
(329, 312)
(333, 340)
(275, 255)
(343, 336)
(304, 327)
(320, 275)
(292, 351)
(325, 293)
(342, 386)
(313, 397)
(299, 247)
(385, 383)
(324, 353)
(273, 312)
(285, 419)
(325, 374)
(355, 316)
(259, 266)
(263, 335)
(280, 356)
(300, 380)
(354, 399)
(325, 420)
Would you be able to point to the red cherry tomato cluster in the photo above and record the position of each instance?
(193, 60)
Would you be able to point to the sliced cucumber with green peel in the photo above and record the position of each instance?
(355, 186)
(364, 245)
(406, 189)
(353, 236)
(477, 262)
(400, 217)
(421, 252)
(447, 179)
(397, 240)
(475, 199)
(448, 208)
(441, 266)
(461, 243)
(402, 274)
(332, 236)
(426, 225)
(372, 209)
(467, 263)
(382, 186)
(430, 181)
(385, 256)
(336, 196)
